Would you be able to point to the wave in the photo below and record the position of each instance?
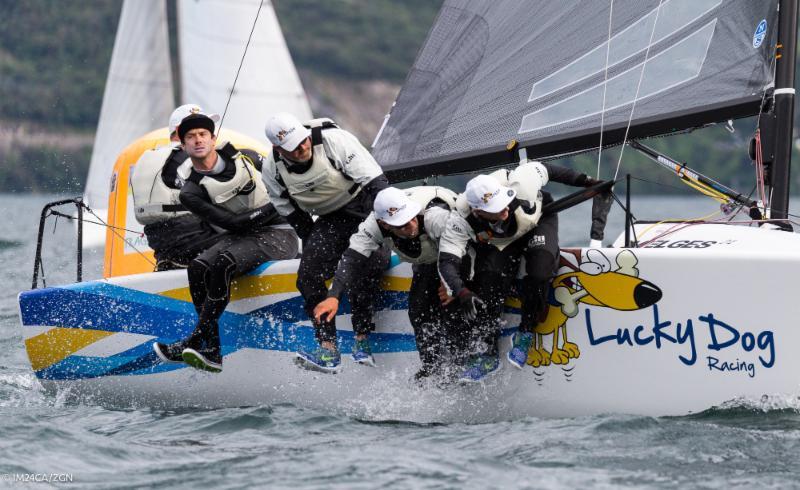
(770, 412)
(5, 244)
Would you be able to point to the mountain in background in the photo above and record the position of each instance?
(352, 56)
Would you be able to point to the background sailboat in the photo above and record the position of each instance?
(212, 35)
(138, 97)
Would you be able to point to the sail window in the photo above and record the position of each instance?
(674, 16)
(674, 66)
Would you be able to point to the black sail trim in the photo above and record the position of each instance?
(540, 148)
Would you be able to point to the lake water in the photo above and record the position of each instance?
(42, 438)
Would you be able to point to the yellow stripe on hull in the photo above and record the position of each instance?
(57, 344)
(252, 286)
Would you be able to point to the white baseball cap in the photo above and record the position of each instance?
(186, 110)
(484, 192)
(286, 131)
(394, 207)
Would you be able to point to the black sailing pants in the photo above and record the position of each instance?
(177, 241)
(211, 273)
(495, 271)
(327, 241)
(438, 333)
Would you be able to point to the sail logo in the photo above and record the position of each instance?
(760, 34)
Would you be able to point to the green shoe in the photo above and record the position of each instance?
(518, 355)
(321, 359)
(362, 353)
(479, 368)
(206, 360)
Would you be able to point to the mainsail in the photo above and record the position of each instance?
(212, 35)
(550, 74)
(138, 94)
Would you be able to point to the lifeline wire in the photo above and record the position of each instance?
(236, 79)
(114, 230)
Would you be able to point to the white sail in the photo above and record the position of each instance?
(212, 35)
(137, 98)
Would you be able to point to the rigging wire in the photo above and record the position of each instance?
(638, 87)
(702, 219)
(760, 175)
(121, 236)
(605, 87)
(58, 214)
(241, 63)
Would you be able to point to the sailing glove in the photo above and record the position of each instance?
(301, 222)
(469, 303)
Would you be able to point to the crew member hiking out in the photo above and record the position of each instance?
(322, 170)
(224, 188)
(501, 214)
(175, 235)
(410, 222)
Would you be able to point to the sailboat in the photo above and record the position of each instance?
(698, 314)
(139, 96)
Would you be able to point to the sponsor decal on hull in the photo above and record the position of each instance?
(706, 340)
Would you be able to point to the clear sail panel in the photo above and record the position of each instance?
(670, 68)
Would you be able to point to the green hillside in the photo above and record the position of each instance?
(54, 57)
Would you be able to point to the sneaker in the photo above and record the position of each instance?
(479, 368)
(325, 360)
(518, 355)
(362, 353)
(169, 353)
(204, 359)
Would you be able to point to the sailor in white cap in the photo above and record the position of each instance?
(224, 188)
(410, 222)
(501, 215)
(319, 169)
(175, 235)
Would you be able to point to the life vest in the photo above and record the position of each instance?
(421, 249)
(153, 200)
(527, 180)
(244, 192)
(322, 189)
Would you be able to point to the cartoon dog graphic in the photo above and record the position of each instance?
(592, 283)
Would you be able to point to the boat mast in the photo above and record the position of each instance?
(784, 108)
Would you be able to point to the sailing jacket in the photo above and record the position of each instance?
(464, 227)
(342, 175)
(155, 184)
(436, 204)
(174, 233)
(235, 199)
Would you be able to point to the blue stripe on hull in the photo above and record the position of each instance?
(113, 308)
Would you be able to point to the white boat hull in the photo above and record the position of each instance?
(721, 326)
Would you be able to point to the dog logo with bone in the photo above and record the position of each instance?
(592, 282)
